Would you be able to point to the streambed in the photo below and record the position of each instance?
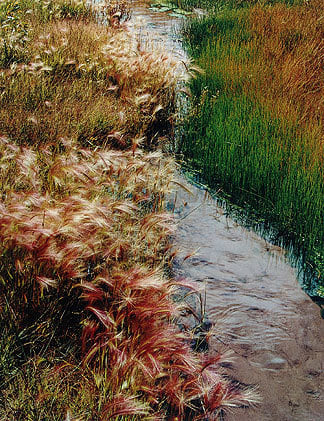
(252, 295)
(273, 328)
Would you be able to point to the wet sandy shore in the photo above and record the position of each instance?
(258, 308)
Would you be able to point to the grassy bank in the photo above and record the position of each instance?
(256, 126)
(87, 314)
(217, 5)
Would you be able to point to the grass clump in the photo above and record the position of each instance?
(218, 5)
(256, 127)
(87, 314)
(17, 18)
(108, 84)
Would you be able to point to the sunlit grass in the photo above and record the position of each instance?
(256, 129)
(214, 5)
(112, 90)
(86, 300)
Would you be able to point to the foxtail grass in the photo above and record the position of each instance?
(87, 314)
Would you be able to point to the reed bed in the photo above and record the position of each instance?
(217, 5)
(86, 302)
(256, 127)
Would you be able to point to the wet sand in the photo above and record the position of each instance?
(259, 311)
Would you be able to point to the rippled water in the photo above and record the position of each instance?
(252, 294)
(258, 308)
(162, 27)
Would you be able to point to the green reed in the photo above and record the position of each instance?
(267, 163)
(221, 4)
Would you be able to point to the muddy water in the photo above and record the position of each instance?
(252, 295)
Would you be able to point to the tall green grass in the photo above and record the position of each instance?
(252, 137)
(231, 4)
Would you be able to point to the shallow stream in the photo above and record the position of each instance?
(252, 294)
